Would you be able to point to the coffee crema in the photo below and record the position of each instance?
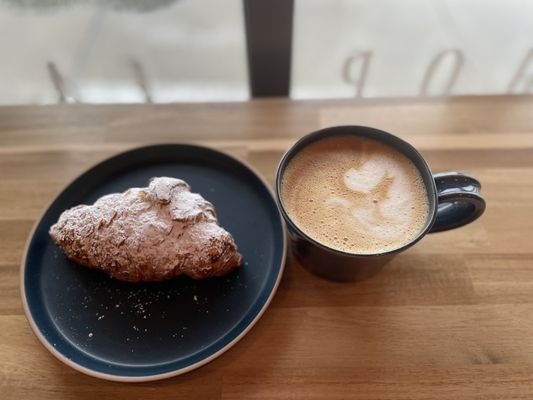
(355, 195)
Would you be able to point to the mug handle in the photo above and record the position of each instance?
(459, 200)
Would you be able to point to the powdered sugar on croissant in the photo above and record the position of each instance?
(148, 234)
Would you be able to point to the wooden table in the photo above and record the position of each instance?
(451, 318)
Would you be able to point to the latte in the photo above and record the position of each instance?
(355, 195)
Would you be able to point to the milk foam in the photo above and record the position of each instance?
(355, 195)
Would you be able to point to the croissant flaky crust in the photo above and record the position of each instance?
(148, 234)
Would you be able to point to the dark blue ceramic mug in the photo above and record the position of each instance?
(454, 200)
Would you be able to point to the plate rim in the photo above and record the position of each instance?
(180, 371)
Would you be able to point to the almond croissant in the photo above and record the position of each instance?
(148, 234)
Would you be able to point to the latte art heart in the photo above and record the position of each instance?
(365, 178)
(355, 195)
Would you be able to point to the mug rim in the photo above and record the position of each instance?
(374, 132)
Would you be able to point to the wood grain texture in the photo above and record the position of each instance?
(450, 318)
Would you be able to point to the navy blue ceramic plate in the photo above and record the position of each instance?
(138, 332)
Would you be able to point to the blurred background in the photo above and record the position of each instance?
(210, 50)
